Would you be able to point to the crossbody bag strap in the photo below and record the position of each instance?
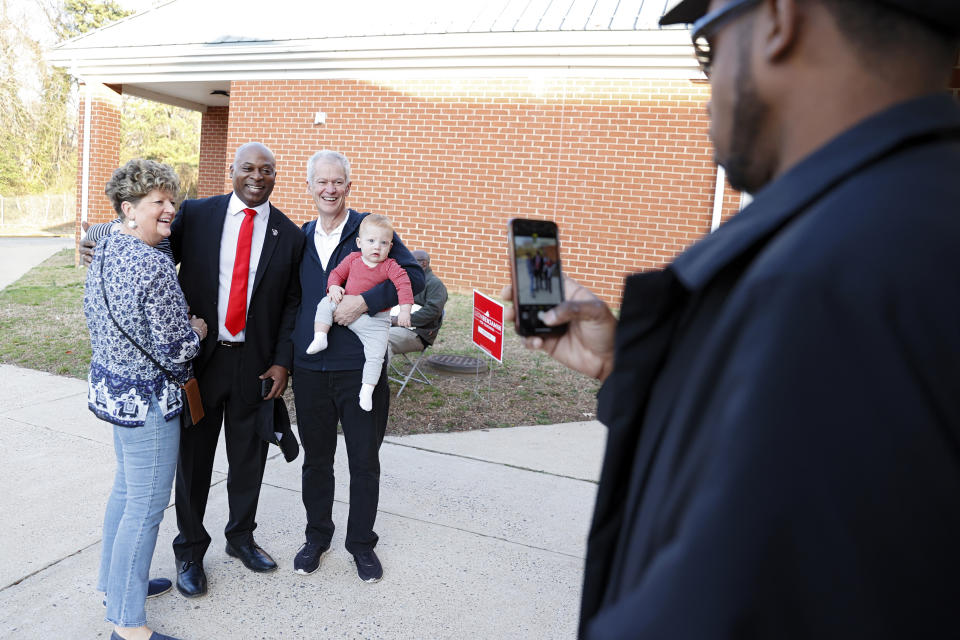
(126, 335)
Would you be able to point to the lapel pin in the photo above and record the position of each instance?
(275, 232)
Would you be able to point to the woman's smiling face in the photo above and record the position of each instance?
(153, 215)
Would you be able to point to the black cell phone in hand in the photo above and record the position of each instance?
(535, 271)
(266, 385)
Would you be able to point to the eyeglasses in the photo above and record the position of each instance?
(704, 28)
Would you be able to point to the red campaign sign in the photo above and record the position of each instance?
(488, 325)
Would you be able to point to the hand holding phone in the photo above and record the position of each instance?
(266, 385)
(588, 344)
(535, 273)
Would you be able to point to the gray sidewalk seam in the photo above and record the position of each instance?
(53, 564)
(3, 412)
(445, 526)
(343, 502)
(494, 462)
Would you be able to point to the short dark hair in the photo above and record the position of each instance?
(873, 27)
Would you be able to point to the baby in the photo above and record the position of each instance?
(357, 273)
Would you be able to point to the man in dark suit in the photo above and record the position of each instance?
(783, 454)
(239, 258)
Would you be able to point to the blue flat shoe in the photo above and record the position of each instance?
(156, 587)
(153, 636)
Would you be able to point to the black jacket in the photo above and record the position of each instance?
(195, 240)
(784, 448)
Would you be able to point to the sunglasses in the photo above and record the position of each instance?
(704, 28)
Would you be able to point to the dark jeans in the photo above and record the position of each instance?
(246, 456)
(324, 398)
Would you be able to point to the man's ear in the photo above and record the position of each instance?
(781, 21)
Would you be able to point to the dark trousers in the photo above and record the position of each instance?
(246, 455)
(324, 398)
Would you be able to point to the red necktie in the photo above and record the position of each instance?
(237, 305)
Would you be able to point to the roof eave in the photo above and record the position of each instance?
(651, 53)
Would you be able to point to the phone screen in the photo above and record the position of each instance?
(538, 270)
(537, 280)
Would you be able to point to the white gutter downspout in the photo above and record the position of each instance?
(85, 158)
(718, 198)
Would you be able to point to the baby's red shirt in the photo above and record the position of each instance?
(359, 277)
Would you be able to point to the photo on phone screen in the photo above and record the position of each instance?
(538, 271)
(537, 280)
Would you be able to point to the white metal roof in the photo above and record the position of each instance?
(182, 49)
(179, 22)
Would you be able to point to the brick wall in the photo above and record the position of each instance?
(213, 151)
(104, 151)
(623, 166)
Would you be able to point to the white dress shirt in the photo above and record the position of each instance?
(327, 242)
(228, 254)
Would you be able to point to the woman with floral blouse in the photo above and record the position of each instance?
(132, 284)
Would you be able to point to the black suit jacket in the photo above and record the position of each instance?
(195, 240)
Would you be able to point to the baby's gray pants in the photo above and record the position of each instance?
(373, 332)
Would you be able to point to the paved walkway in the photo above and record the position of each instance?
(19, 255)
(482, 534)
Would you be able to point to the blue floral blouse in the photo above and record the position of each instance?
(147, 301)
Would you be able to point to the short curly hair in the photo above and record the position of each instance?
(137, 178)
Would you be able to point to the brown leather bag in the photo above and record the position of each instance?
(192, 391)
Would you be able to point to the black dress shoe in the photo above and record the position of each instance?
(191, 580)
(252, 557)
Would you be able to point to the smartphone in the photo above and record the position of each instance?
(265, 386)
(535, 270)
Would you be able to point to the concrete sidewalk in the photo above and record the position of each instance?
(19, 255)
(482, 534)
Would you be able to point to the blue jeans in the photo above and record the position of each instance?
(146, 461)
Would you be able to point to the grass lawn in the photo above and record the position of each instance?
(41, 319)
(42, 327)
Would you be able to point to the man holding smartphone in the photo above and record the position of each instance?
(782, 401)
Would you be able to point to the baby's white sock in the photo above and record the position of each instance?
(366, 396)
(319, 343)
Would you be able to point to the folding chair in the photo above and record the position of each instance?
(414, 373)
